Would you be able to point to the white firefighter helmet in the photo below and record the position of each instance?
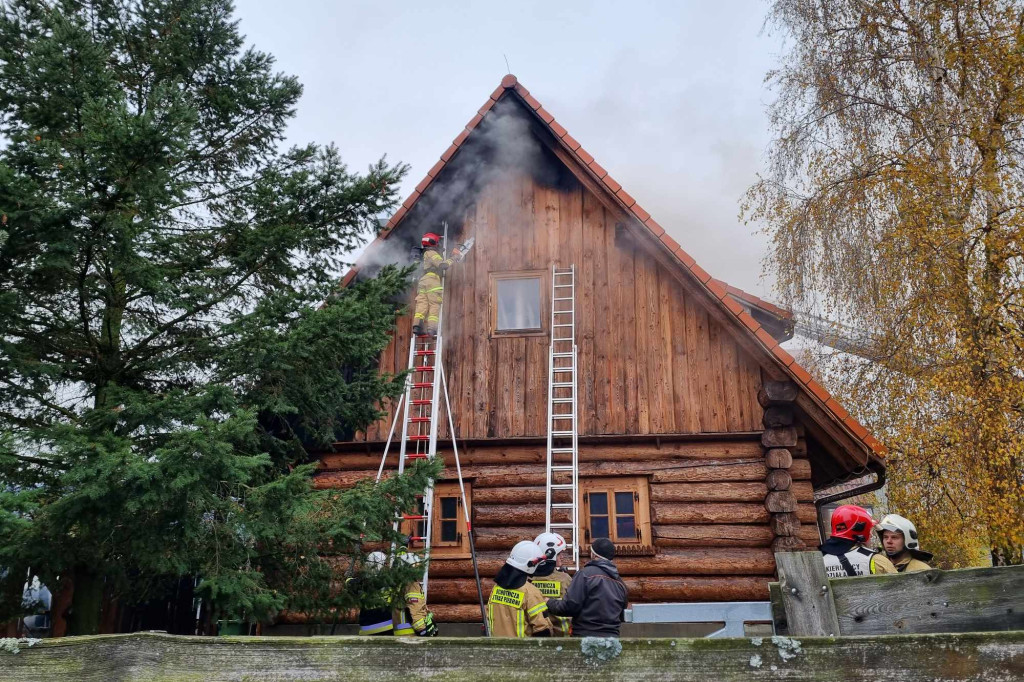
(525, 556)
(411, 558)
(550, 543)
(376, 560)
(898, 524)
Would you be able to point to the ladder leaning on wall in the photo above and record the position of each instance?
(424, 385)
(563, 450)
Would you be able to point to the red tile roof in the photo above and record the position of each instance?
(716, 289)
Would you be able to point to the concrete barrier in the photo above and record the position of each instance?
(992, 657)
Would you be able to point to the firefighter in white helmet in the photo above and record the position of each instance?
(551, 580)
(898, 537)
(375, 616)
(516, 608)
(414, 618)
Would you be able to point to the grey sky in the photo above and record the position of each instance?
(668, 96)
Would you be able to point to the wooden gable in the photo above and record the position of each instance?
(664, 349)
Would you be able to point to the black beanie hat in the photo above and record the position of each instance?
(604, 547)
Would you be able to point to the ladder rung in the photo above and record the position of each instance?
(563, 384)
(419, 420)
(561, 433)
(426, 352)
(569, 324)
(562, 486)
(417, 538)
(562, 298)
(418, 438)
(563, 370)
(562, 467)
(422, 401)
(413, 517)
(423, 384)
(559, 505)
(562, 416)
(561, 451)
(416, 456)
(563, 354)
(562, 525)
(423, 368)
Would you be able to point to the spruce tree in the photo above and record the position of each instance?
(166, 357)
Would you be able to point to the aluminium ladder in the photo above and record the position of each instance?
(423, 386)
(562, 494)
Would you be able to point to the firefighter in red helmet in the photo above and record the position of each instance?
(429, 289)
(844, 552)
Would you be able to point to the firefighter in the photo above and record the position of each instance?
(414, 618)
(844, 552)
(516, 608)
(429, 290)
(898, 537)
(551, 580)
(375, 617)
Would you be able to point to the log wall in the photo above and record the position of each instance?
(712, 531)
(651, 361)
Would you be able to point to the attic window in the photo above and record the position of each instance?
(516, 304)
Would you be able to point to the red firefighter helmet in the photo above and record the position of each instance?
(430, 239)
(852, 523)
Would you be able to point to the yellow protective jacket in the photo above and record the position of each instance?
(413, 617)
(906, 563)
(517, 613)
(554, 586)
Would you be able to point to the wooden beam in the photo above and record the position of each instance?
(806, 595)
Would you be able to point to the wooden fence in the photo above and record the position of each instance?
(807, 603)
(162, 658)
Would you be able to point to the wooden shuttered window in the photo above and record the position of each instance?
(618, 509)
(448, 537)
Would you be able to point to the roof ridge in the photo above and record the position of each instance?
(717, 288)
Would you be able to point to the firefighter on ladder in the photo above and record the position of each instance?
(429, 290)
(552, 581)
(516, 608)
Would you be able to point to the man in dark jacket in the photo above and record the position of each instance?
(596, 597)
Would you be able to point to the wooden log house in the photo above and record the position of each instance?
(701, 441)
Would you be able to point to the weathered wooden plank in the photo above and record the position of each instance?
(151, 656)
(966, 600)
(641, 589)
(713, 535)
(659, 410)
(708, 492)
(613, 346)
(685, 450)
(718, 396)
(646, 401)
(806, 596)
(591, 233)
(626, 324)
(482, 351)
(731, 381)
(719, 512)
(519, 402)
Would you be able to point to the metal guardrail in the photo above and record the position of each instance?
(734, 614)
